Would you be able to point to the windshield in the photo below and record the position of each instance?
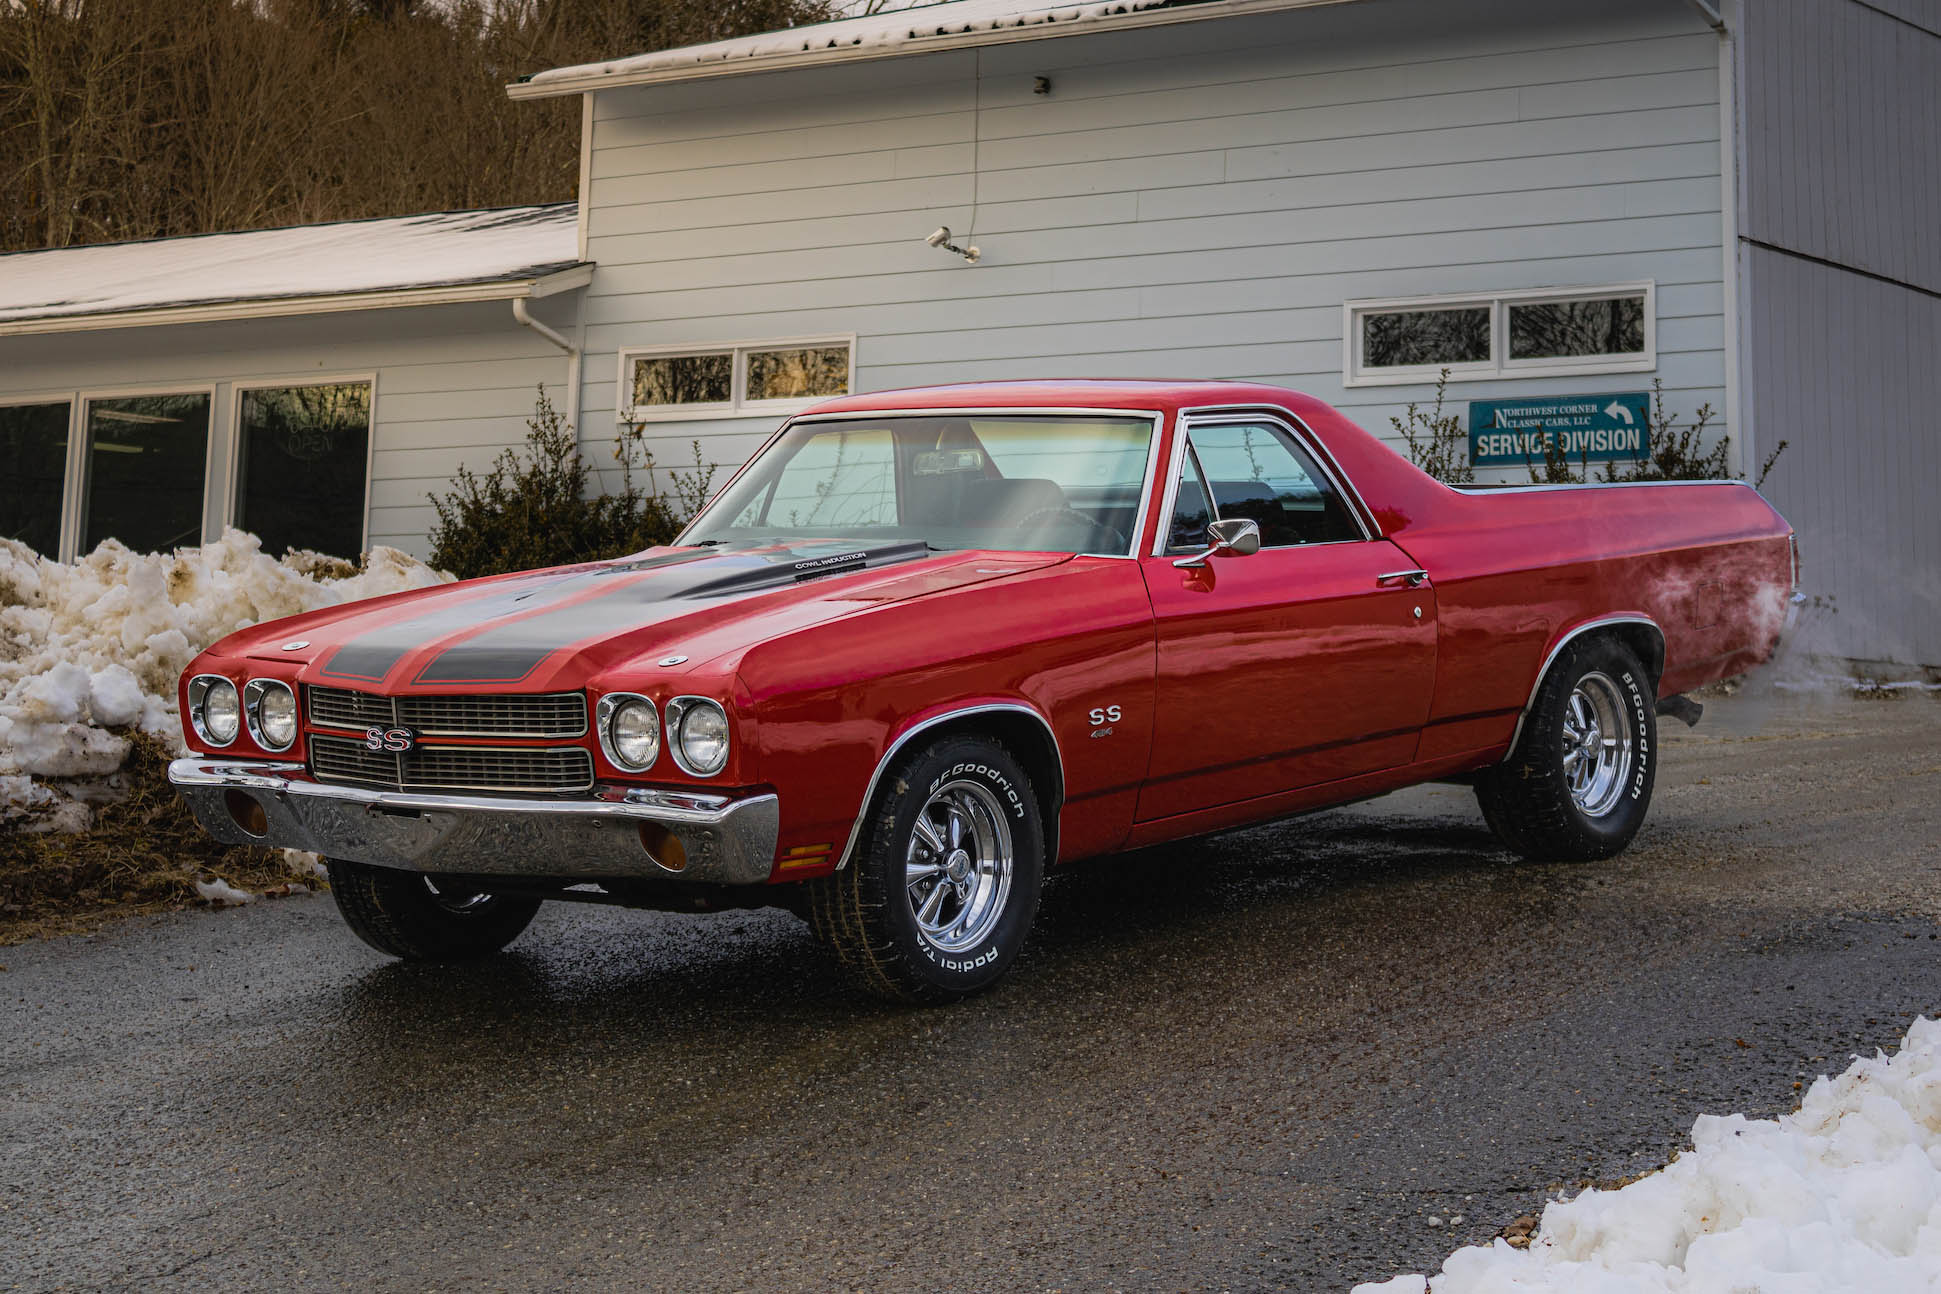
(1011, 482)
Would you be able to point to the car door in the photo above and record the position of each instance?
(1308, 661)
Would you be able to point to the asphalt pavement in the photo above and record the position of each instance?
(1264, 1061)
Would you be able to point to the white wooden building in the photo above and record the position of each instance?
(1343, 196)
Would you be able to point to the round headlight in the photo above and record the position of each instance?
(629, 730)
(701, 735)
(271, 709)
(214, 709)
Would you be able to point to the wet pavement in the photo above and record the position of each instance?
(1264, 1061)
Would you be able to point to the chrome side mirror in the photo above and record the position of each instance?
(1235, 537)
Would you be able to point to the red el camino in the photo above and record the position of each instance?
(926, 644)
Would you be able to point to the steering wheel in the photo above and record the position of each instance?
(1115, 537)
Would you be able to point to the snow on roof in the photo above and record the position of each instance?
(401, 260)
(900, 31)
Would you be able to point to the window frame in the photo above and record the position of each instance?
(1354, 373)
(74, 516)
(232, 485)
(738, 405)
(72, 463)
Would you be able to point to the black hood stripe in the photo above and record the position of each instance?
(370, 657)
(509, 652)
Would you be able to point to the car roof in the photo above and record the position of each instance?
(1161, 396)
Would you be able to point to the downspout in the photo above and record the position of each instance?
(520, 313)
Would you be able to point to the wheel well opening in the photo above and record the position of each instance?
(1028, 739)
(1647, 644)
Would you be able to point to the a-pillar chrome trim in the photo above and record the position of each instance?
(725, 839)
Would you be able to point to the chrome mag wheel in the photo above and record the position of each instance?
(1598, 744)
(957, 869)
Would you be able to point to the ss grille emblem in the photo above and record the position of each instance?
(397, 741)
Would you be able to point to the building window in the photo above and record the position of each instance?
(1555, 331)
(304, 453)
(33, 445)
(732, 380)
(146, 457)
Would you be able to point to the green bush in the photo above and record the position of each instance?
(532, 509)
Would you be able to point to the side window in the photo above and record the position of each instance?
(1254, 470)
(837, 478)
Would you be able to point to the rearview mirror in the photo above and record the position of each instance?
(1234, 537)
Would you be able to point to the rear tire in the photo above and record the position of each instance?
(946, 878)
(1578, 784)
(408, 915)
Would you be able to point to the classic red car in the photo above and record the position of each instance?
(927, 644)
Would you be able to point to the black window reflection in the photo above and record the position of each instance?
(1562, 329)
(1395, 339)
(304, 452)
(33, 447)
(146, 456)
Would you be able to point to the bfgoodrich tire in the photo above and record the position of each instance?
(1578, 784)
(946, 878)
(420, 918)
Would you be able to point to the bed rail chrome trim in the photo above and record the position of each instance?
(726, 840)
(918, 729)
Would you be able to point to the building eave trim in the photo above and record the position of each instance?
(591, 80)
(535, 288)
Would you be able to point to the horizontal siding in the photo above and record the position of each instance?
(1197, 200)
(454, 386)
(1843, 136)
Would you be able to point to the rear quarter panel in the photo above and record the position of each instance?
(829, 701)
(1516, 571)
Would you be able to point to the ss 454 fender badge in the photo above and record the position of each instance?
(397, 741)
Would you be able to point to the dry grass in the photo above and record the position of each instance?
(143, 854)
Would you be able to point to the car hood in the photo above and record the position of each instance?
(551, 629)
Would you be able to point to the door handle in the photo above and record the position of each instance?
(1410, 578)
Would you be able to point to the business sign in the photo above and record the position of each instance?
(1594, 428)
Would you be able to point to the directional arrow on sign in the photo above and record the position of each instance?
(1617, 410)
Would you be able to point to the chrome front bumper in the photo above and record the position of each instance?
(723, 840)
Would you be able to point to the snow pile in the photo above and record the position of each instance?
(1842, 1196)
(93, 650)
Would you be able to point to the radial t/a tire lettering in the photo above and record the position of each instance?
(946, 878)
(1578, 784)
(418, 918)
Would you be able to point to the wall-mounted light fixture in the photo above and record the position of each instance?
(942, 239)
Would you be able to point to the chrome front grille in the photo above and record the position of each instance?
(453, 768)
(542, 716)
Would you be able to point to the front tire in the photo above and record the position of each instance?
(415, 917)
(1578, 784)
(946, 878)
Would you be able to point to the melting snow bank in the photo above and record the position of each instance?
(92, 651)
(1842, 1196)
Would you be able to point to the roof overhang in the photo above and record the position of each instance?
(610, 76)
(534, 288)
